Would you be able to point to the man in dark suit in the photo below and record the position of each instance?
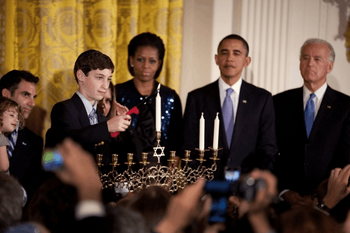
(251, 140)
(25, 155)
(312, 126)
(78, 117)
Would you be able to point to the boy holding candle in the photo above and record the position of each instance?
(246, 114)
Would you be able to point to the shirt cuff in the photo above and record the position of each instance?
(89, 208)
(323, 211)
(281, 193)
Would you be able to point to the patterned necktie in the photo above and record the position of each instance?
(309, 114)
(93, 117)
(227, 112)
(12, 139)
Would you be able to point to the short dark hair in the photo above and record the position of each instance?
(92, 60)
(11, 201)
(11, 80)
(142, 40)
(53, 205)
(151, 203)
(236, 37)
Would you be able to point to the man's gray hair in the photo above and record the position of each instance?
(331, 56)
(11, 201)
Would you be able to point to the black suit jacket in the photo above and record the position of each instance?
(25, 163)
(69, 119)
(303, 163)
(253, 142)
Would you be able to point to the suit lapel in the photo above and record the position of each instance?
(83, 118)
(244, 104)
(328, 104)
(297, 105)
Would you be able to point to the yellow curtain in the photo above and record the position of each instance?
(45, 38)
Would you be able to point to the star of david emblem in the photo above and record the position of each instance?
(156, 152)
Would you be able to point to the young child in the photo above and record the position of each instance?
(10, 115)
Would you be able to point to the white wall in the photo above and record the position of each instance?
(197, 40)
(275, 31)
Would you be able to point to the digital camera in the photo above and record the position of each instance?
(246, 187)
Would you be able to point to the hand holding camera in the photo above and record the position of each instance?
(253, 191)
(76, 167)
(264, 196)
(264, 193)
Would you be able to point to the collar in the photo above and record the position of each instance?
(224, 86)
(17, 128)
(87, 105)
(319, 93)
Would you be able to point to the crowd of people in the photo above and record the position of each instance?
(291, 149)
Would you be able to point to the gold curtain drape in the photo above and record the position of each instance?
(46, 36)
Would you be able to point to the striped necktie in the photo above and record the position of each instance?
(93, 117)
(12, 139)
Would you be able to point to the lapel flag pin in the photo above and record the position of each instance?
(329, 107)
(244, 101)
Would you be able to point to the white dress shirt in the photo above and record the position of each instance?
(318, 97)
(87, 105)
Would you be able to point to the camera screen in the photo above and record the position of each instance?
(232, 175)
(218, 210)
(52, 160)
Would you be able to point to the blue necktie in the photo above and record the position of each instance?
(12, 139)
(93, 117)
(227, 112)
(309, 114)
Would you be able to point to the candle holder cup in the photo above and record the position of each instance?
(169, 177)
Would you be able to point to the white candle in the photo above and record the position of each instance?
(216, 132)
(158, 111)
(201, 132)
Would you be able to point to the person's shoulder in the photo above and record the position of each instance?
(256, 90)
(125, 90)
(4, 140)
(205, 89)
(30, 135)
(167, 90)
(64, 102)
(123, 85)
(68, 104)
(288, 93)
(340, 95)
